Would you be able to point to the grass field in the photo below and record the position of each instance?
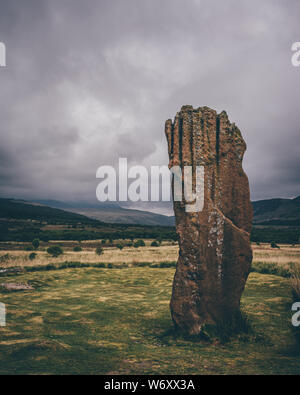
(283, 257)
(99, 320)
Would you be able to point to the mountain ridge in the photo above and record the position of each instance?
(277, 212)
(267, 212)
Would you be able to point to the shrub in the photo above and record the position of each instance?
(139, 243)
(101, 264)
(29, 248)
(99, 250)
(32, 256)
(55, 251)
(5, 258)
(141, 264)
(77, 249)
(154, 265)
(41, 268)
(109, 266)
(154, 244)
(103, 241)
(35, 243)
(164, 265)
(120, 246)
(274, 245)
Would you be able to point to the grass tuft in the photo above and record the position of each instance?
(270, 268)
(295, 282)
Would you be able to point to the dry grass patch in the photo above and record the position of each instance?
(295, 282)
(129, 255)
(281, 256)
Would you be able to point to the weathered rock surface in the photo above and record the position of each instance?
(16, 286)
(215, 253)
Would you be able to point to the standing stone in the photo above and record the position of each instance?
(214, 245)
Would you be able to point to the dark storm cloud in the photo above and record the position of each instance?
(89, 81)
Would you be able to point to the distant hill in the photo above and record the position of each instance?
(277, 212)
(119, 215)
(12, 209)
(271, 212)
(112, 213)
(23, 221)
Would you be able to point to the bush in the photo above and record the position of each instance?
(103, 241)
(64, 265)
(110, 266)
(35, 243)
(101, 264)
(32, 256)
(77, 249)
(55, 251)
(41, 268)
(141, 264)
(99, 250)
(139, 243)
(164, 265)
(154, 244)
(5, 258)
(120, 246)
(274, 245)
(154, 265)
(29, 248)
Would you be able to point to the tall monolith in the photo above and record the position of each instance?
(214, 244)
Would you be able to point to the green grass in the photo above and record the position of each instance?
(96, 320)
(66, 265)
(271, 268)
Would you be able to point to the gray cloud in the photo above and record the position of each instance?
(89, 81)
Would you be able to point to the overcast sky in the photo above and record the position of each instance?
(89, 81)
